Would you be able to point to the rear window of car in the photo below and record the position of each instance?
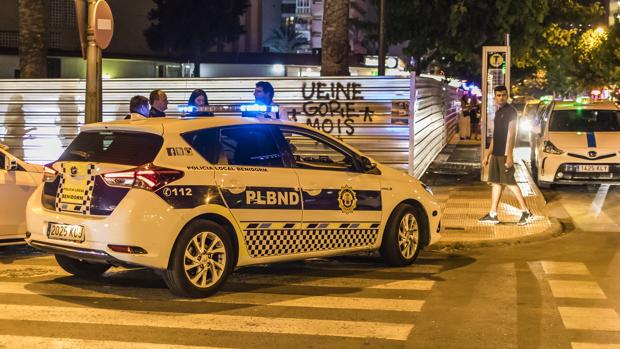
(581, 120)
(117, 147)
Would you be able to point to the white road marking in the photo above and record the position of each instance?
(599, 200)
(212, 322)
(365, 268)
(576, 289)
(379, 304)
(28, 342)
(418, 285)
(567, 268)
(25, 271)
(340, 282)
(578, 345)
(595, 319)
(253, 298)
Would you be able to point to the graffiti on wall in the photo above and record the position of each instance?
(331, 107)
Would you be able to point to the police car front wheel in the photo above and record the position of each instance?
(402, 237)
(201, 260)
(81, 268)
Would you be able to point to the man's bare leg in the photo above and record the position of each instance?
(496, 194)
(517, 191)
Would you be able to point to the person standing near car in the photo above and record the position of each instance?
(499, 158)
(159, 104)
(263, 95)
(138, 108)
(198, 99)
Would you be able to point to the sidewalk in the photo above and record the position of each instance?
(454, 177)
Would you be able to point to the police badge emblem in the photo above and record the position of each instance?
(347, 201)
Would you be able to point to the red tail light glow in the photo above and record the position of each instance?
(149, 177)
(49, 174)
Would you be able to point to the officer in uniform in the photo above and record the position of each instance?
(263, 95)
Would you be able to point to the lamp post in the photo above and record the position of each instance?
(381, 71)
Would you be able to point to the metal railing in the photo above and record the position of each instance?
(39, 118)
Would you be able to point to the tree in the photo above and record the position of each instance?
(32, 38)
(285, 41)
(450, 34)
(189, 28)
(335, 40)
(566, 51)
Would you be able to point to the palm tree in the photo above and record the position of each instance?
(335, 40)
(285, 41)
(32, 38)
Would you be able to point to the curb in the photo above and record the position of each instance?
(556, 229)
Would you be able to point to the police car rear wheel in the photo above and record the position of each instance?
(201, 260)
(401, 241)
(81, 268)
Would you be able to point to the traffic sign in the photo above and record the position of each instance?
(496, 60)
(104, 24)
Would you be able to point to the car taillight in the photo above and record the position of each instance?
(149, 177)
(49, 174)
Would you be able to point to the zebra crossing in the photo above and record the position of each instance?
(357, 303)
(572, 282)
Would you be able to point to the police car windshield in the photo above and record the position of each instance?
(117, 147)
(581, 120)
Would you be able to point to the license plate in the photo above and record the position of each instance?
(67, 232)
(592, 168)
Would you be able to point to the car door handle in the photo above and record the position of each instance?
(313, 191)
(235, 189)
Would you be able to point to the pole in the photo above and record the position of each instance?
(381, 71)
(412, 99)
(93, 70)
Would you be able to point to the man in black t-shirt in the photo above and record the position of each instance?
(500, 160)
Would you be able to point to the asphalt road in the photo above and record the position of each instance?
(558, 293)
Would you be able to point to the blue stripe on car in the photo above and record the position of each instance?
(591, 140)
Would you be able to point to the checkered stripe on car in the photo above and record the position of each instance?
(84, 208)
(280, 242)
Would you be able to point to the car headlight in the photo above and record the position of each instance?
(549, 148)
(427, 188)
(525, 125)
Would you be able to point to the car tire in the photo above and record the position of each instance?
(543, 185)
(205, 273)
(403, 236)
(81, 268)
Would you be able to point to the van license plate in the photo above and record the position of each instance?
(592, 168)
(67, 232)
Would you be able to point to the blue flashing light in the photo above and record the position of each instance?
(260, 108)
(186, 109)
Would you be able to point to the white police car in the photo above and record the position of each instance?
(578, 143)
(18, 179)
(198, 197)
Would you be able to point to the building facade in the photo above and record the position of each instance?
(130, 56)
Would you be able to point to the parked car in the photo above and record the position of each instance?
(18, 180)
(196, 198)
(526, 117)
(578, 143)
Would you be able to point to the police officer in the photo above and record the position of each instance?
(263, 95)
(159, 104)
(138, 108)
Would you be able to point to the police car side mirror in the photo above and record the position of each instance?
(367, 165)
(10, 164)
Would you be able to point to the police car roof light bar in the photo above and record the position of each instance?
(186, 109)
